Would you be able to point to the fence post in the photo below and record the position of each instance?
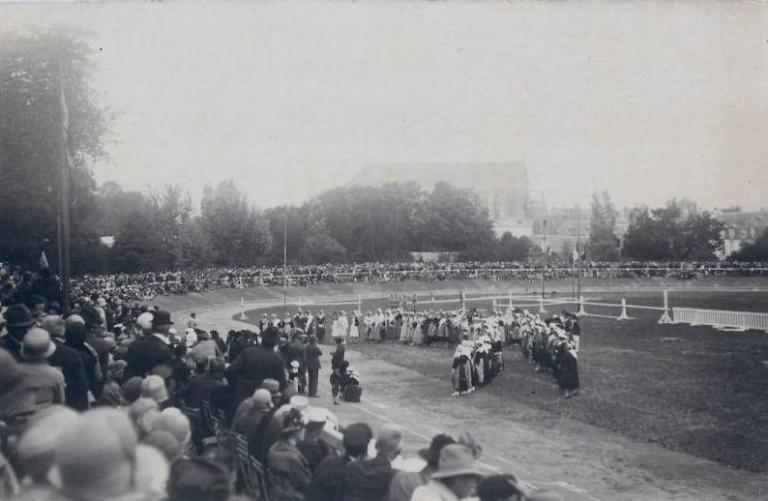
(623, 315)
(581, 311)
(359, 305)
(242, 308)
(665, 319)
(463, 306)
(541, 305)
(510, 301)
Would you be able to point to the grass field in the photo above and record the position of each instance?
(691, 389)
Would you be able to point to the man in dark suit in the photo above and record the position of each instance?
(313, 365)
(255, 364)
(369, 479)
(327, 482)
(296, 352)
(147, 353)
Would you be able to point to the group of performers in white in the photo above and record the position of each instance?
(550, 344)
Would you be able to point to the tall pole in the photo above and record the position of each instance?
(285, 261)
(64, 235)
(544, 262)
(578, 251)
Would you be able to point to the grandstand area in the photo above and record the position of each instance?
(668, 405)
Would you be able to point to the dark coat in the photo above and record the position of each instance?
(327, 482)
(199, 389)
(288, 472)
(296, 351)
(71, 364)
(337, 358)
(313, 357)
(251, 367)
(145, 354)
(368, 480)
(568, 371)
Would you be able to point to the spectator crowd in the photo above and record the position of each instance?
(143, 287)
(111, 401)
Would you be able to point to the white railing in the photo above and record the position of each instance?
(721, 318)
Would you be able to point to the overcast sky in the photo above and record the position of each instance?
(647, 100)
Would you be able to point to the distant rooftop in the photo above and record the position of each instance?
(476, 175)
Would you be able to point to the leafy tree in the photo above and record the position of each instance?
(138, 245)
(511, 248)
(30, 68)
(453, 220)
(295, 235)
(239, 233)
(113, 206)
(701, 236)
(603, 244)
(665, 234)
(754, 251)
(320, 247)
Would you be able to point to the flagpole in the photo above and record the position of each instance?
(285, 261)
(64, 236)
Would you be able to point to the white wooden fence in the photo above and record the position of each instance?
(720, 318)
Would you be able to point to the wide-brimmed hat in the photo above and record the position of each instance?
(37, 344)
(456, 460)
(161, 317)
(153, 387)
(95, 457)
(174, 422)
(18, 315)
(431, 454)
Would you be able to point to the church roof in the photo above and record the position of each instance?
(475, 175)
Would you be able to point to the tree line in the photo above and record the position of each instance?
(162, 229)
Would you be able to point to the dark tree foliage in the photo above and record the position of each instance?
(755, 251)
(666, 233)
(238, 232)
(603, 244)
(30, 121)
(363, 224)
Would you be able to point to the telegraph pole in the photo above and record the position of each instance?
(64, 168)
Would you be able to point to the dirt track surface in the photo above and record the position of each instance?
(579, 461)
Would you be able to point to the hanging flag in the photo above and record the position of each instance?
(44, 261)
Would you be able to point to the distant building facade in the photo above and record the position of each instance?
(502, 187)
(740, 228)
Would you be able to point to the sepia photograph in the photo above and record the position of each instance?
(386, 250)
